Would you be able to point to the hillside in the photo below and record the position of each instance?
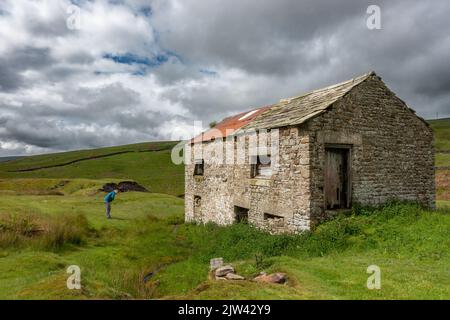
(441, 129)
(52, 216)
(149, 164)
(146, 163)
(146, 251)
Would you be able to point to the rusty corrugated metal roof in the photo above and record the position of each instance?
(230, 125)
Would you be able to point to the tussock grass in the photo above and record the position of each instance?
(149, 252)
(69, 229)
(395, 227)
(394, 232)
(49, 233)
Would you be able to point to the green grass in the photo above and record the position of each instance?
(441, 128)
(52, 159)
(112, 255)
(152, 169)
(444, 204)
(410, 245)
(443, 160)
(54, 217)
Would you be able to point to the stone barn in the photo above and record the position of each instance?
(355, 142)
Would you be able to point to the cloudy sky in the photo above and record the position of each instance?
(84, 74)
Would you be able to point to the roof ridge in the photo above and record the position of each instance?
(299, 109)
(271, 116)
(358, 79)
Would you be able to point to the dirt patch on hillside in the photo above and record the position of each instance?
(123, 186)
(443, 184)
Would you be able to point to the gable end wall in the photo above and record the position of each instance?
(392, 149)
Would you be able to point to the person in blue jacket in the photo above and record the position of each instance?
(108, 199)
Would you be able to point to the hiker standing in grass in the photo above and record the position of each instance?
(108, 199)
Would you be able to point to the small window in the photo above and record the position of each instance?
(269, 216)
(241, 214)
(199, 167)
(261, 166)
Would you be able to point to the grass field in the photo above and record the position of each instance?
(443, 160)
(52, 216)
(441, 128)
(148, 234)
(146, 163)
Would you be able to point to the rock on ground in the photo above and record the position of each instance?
(271, 278)
(123, 186)
(233, 276)
(223, 271)
(216, 263)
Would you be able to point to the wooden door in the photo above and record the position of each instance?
(336, 178)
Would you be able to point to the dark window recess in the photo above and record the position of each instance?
(268, 216)
(261, 166)
(197, 201)
(241, 214)
(199, 167)
(197, 208)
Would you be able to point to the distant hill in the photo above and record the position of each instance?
(441, 129)
(147, 163)
(3, 159)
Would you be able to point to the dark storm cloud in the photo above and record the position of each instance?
(267, 37)
(30, 58)
(221, 57)
(86, 118)
(9, 78)
(322, 41)
(58, 134)
(20, 60)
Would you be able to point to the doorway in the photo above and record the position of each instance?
(241, 214)
(337, 180)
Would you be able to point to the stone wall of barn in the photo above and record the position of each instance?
(392, 155)
(214, 188)
(282, 202)
(277, 204)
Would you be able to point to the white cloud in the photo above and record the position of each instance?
(141, 70)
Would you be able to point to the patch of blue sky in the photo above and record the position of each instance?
(130, 59)
(79, 3)
(143, 64)
(157, 40)
(208, 72)
(140, 72)
(116, 2)
(146, 11)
